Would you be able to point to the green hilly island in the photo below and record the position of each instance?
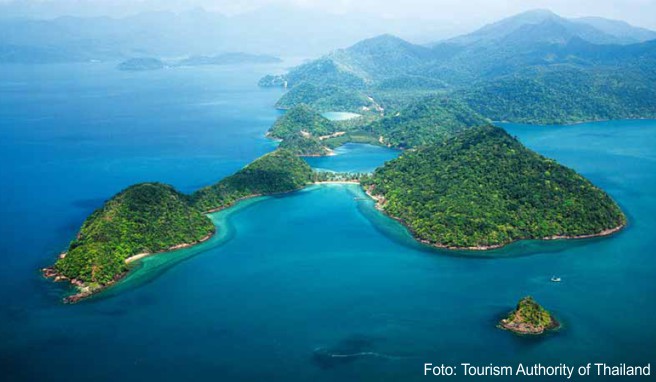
(153, 217)
(529, 318)
(483, 189)
(142, 64)
(147, 217)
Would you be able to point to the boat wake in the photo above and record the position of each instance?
(326, 353)
(348, 352)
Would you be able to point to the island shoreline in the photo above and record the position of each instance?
(85, 290)
(379, 204)
(529, 319)
(522, 330)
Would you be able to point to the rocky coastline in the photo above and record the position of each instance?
(529, 318)
(85, 290)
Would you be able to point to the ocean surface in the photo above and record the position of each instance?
(314, 285)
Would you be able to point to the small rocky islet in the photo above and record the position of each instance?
(529, 318)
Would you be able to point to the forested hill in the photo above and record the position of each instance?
(430, 121)
(513, 70)
(326, 98)
(301, 118)
(279, 171)
(565, 96)
(146, 217)
(301, 128)
(596, 30)
(483, 188)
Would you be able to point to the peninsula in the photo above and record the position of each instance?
(529, 318)
(150, 218)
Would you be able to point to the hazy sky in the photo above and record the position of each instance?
(458, 13)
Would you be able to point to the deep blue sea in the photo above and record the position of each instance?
(314, 285)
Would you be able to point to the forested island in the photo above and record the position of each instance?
(149, 218)
(529, 318)
(482, 189)
(230, 58)
(142, 64)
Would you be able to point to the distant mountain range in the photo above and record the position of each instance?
(270, 30)
(532, 67)
(274, 30)
(547, 27)
(531, 38)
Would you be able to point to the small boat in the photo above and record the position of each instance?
(555, 279)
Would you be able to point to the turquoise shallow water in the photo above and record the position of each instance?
(353, 157)
(311, 285)
(340, 116)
